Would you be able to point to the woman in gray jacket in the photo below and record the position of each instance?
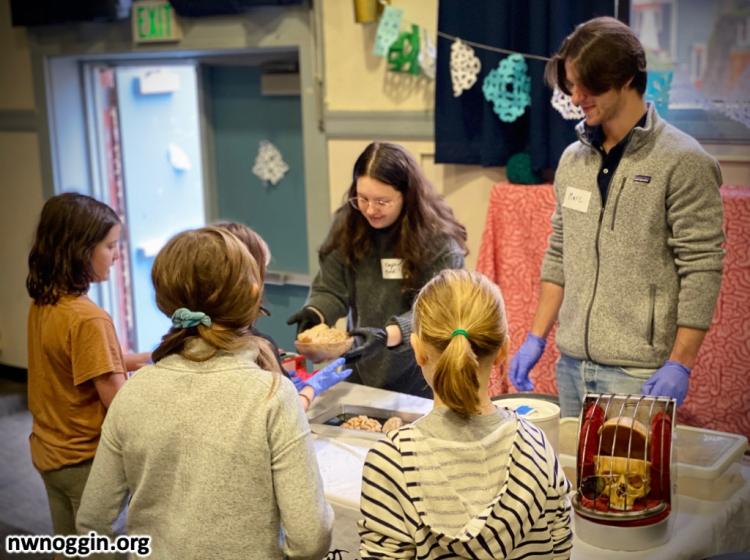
(390, 236)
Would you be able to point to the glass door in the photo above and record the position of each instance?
(147, 139)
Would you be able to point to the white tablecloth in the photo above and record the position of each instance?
(341, 458)
(699, 528)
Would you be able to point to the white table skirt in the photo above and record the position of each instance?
(699, 528)
(341, 458)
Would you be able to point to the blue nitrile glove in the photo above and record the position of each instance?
(328, 376)
(299, 383)
(670, 380)
(525, 360)
(367, 341)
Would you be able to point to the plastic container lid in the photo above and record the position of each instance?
(706, 453)
(540, 412)
(534, 410)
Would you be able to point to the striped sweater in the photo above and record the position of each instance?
(446, 487)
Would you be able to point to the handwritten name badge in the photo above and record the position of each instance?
(391, 269)
(577, 199)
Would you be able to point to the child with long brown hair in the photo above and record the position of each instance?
(75, 362)
(210, 442)
(392, 233)
(469, 479)
(327, 376)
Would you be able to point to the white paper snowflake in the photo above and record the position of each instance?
(269, 166)
(427, 55)
(465, 67)
(564, 105)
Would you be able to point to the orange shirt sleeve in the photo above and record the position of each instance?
(95, 350)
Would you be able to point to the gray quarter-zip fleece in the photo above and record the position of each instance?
(368, 300)
(647, 262)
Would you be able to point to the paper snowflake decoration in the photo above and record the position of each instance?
(389, 27)
(269, 166)
(465, 67)
(658, 87)
(563, 104)
(403, 54)
(508, 88)
(427, 55)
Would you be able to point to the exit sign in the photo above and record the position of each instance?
(154, 21)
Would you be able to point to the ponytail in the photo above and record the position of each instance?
(212, 271)
(461, 315)
(456, 378)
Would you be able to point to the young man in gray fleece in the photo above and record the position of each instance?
(633, 266)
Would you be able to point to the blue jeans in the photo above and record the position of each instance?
(576, 377)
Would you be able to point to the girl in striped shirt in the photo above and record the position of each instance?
(469, 479)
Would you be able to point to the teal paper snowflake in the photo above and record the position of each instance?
(508, 88)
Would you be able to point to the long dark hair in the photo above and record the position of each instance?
(424, 214)
(70, 227)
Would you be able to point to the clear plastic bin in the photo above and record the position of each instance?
(708, 463)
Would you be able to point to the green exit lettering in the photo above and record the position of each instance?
(154, 21)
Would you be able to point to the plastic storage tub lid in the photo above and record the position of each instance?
(706, 453)
(530, 408)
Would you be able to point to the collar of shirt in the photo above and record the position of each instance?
(595, 134)
(611, 159)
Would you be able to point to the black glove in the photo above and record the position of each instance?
(305, 318)
(367, 341)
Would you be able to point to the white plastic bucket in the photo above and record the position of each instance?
(540, 412)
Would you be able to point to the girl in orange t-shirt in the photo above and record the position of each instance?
(75, 362)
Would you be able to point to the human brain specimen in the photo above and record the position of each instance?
(364, 423)
(321, 334)
(368, 424)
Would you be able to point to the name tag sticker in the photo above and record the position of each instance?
(577, 199)
(391, 269)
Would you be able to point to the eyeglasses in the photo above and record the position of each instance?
(361, 203)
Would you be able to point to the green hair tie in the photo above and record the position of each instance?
(460, 331)
(183, 318)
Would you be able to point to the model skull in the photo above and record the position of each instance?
(622, 467)
(623, 480)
